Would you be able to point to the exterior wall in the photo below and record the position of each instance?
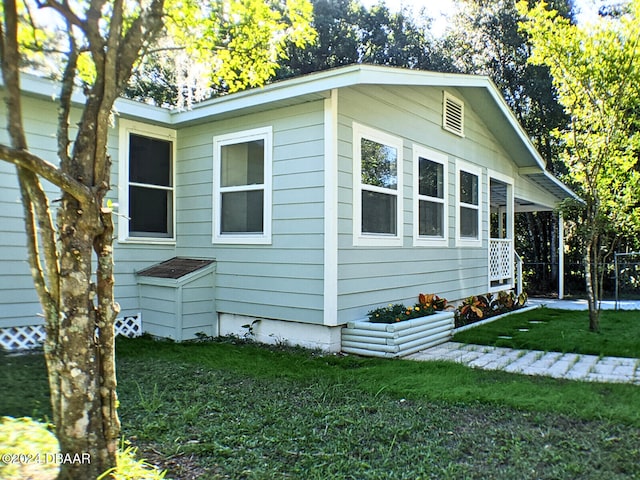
(129, 256)
(372, 276)
(276, 332)
(20, 305)
(282, 280)
(18, 300)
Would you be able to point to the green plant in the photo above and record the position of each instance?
(473, 309)
(151, 403)
(130, 468)
(480, 307)
(249, 326)
(29, 450)
(431, 300)
(427, 304)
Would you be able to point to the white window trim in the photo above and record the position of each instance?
(127, 127)
(264, 238)
(424, 240)
(462, 166)
(366, 239)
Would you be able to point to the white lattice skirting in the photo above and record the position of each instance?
(32, 336)
(500, 259)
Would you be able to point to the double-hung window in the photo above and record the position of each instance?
(146, 196)
(377, 187)
(242, 187)
(469, 201)
(430, 201)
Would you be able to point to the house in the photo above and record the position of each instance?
(297, 207)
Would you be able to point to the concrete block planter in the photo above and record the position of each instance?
(397, 339)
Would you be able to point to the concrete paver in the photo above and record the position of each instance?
(571, 366)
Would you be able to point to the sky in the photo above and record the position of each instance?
(439, 9)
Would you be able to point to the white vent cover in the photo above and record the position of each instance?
(453, 114)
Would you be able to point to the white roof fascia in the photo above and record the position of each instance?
(317, 84)
(511, 118)
(44, 87)
(322, 83)
(561, 185)
(139, 110)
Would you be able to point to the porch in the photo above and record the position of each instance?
(505, 265)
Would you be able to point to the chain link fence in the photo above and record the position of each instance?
(541, 279)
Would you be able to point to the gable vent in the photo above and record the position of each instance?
(453, 115)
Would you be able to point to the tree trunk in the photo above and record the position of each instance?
(591, 277)
(84, 404)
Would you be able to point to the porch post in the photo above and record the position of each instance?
(560, 256)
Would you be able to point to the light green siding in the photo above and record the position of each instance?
(179, 308)
(373, 276)
(283, 280)
(19, 303)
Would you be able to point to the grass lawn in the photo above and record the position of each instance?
(565, 331)
(225, 410)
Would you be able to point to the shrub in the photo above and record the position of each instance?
(25, 437)
(481, 307)
(427, 304)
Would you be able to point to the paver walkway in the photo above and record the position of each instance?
(572, 366)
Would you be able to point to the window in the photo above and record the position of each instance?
(377, 187)
(430, 199)
(453, 114)
(242, 187)
(146, 169)
(469, 198)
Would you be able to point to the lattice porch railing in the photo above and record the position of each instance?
(500, 259)
(32, 336)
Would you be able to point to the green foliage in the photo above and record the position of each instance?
(561, 331)
(394, 313)
(204, 47)
(596, 72)
(239, 43)
(131, 468)
(427, 304)
(31, 448)
(349, 33)
(484, 39)
(481, 307)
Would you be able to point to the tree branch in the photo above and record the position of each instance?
(11, 75)
(48, 171)
(63, 9)
(66, 91)
(38, 224)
